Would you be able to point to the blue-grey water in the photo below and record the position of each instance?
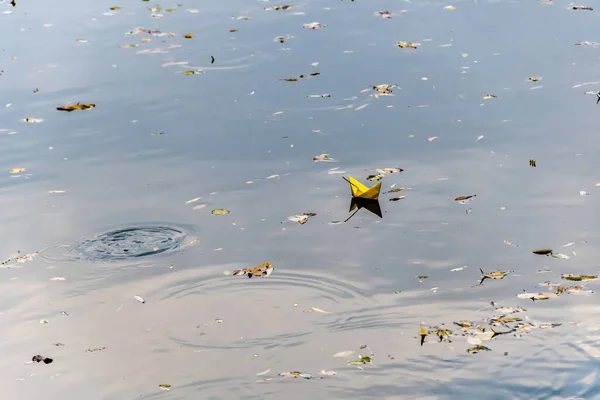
(107, 205)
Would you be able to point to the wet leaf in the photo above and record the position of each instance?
(314, 25)
(39, 358)
(165, 386)
(361, 360)
(542, 251)
(584, 8)
(579, 278)
(188, 36)
(477, 349)
(377, 177)
(396, 190)
(264, 269)
(465, 199)
(220, 211)
(78, 106)
(17, 170)
(534, 78)
(192, 72)
(59, 344)
(327, 373)
(397, 198)
(278, 8)
(422, 277)
(407, 45)
(301, 218)
(323, 157)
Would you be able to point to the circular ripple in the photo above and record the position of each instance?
(121, 244)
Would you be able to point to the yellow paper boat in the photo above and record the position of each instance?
(361, 191)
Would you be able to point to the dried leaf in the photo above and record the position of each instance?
(39, 358)
(78, 106)
(314, 25)
(465, 199)
(477, 349)
(220, 211)
(188, 36)
(579, 278)
(542, 252)
(408, 45)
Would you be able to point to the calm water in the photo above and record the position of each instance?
(335, 287)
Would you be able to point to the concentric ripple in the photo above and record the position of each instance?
(121, 244)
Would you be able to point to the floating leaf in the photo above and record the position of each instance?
(323, 157)
(278, 8)
(542, 252)
(220, 211)
(532, 163)
(361, 360)
(140, 299)
(492, 275)
(397, 198)
(344, 353)
(263, 270)
(579, 278)
(17, 170)
(489, 96)
(296, 374)
(477, 349)
(407, 45)
(188, 36)
(95, 349)
(314, 25)
(165, 386)
(465, 199)
(78, 106)
(584, 8)
(38, 358)
(301, 218)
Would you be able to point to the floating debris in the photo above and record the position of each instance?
(78, 106)
(165, 386)
(220, 211)
(543, 252)
(579, 278)
(95, 349)
(492, 275)
(532, 163)
(39, 358)
(314, 25)
(489, 96)
(323, 157)
(582, 8)
(278, 8)
(296, 79)
(301, 218)
(361, 360)
(465, 199)
(296, 374)
(408, 45)
(263, 270)
(477, 349)
(138, 298)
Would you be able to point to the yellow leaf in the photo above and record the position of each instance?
(220, 211)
